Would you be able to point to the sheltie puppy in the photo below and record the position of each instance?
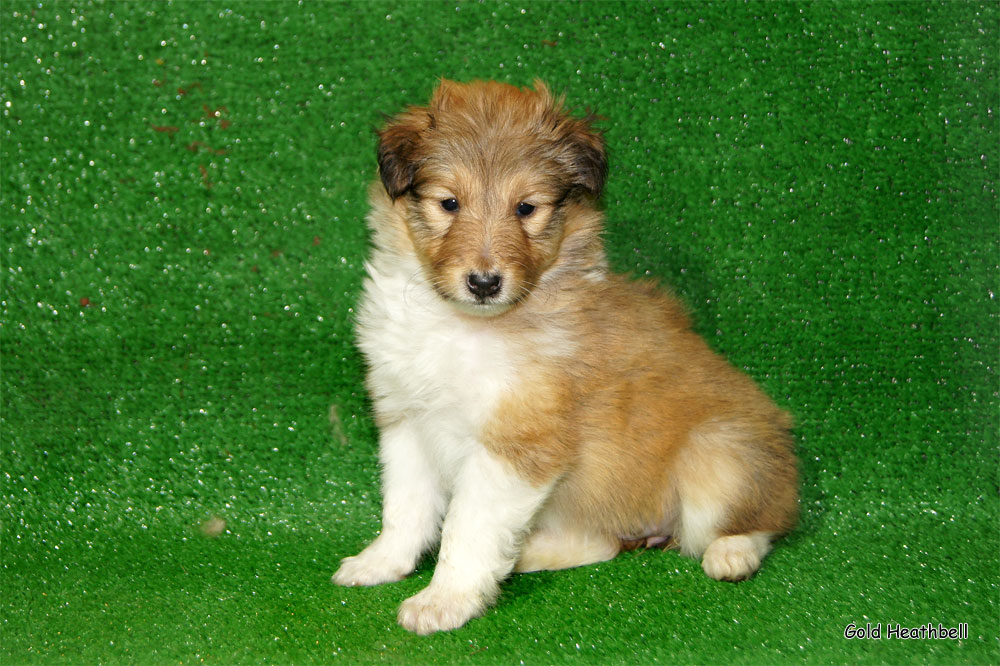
(537, 411)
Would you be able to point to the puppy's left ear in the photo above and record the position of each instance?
(579, 146)
(582, 151)
(399, 150)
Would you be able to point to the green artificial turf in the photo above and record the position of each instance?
(183, 188)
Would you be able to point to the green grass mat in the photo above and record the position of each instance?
(182, 242)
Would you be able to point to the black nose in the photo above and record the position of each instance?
(483, 285)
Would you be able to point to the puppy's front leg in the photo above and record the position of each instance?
(412, 505)
(489, 512)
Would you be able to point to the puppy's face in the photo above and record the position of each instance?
(486, 172)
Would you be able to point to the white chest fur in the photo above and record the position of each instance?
(427, 361)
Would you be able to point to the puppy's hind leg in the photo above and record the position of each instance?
(736, 495)
(551, 548)
(723, 557)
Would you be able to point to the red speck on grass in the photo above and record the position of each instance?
(204, 177)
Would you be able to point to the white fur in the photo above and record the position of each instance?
(736, 557)
(436, 377)
(698, 526)
(490, 510)
(425, 362)
(413, 502)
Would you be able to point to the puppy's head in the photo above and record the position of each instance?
(486, 172)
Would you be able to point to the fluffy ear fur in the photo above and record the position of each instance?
(583, 152)
(579, 146)
(397, 149)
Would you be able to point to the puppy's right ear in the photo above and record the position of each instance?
(399, 150)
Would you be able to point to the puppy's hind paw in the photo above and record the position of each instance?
(735, 557)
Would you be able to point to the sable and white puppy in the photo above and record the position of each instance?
(537, 411)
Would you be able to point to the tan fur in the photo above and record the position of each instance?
(644, 431)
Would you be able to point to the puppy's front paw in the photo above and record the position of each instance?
(437, 609)
(370, 567)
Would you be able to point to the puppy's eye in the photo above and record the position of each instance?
(450, 205)
(525, 209)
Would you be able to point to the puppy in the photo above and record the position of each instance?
(537, 411)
